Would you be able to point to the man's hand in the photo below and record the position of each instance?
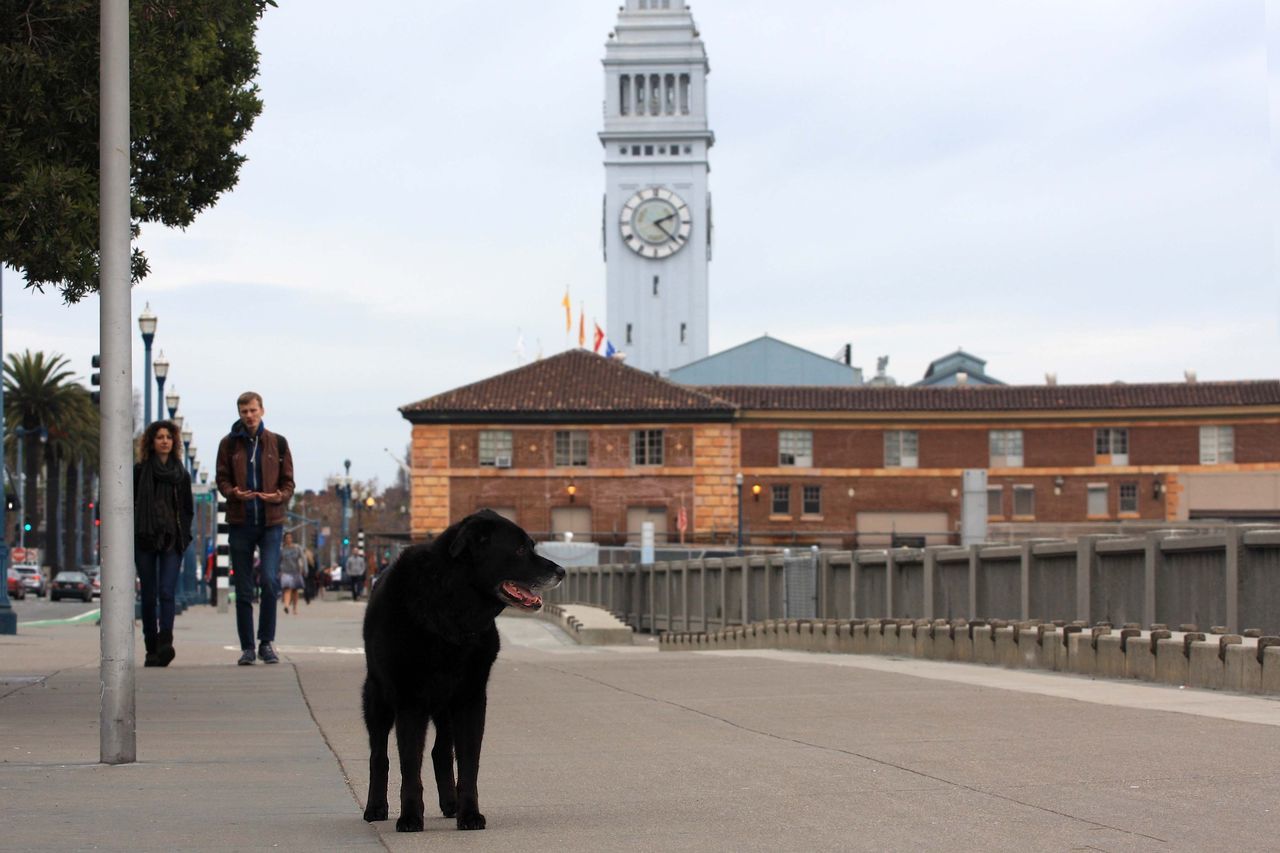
(269, 497)
(243, 494)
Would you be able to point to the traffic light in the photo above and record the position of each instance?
(346, 540)
(95, 379)
(11, 502)
(27, 527)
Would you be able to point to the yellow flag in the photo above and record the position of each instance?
(582, 327)
(568, 312)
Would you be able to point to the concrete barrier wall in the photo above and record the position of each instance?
(1168, 578)
(1233, 662)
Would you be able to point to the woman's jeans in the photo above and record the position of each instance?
(242, 539)
(158, 572)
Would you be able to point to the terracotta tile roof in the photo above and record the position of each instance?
(573, 385)
(1000, 397)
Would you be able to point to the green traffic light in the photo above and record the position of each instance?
(27, 527)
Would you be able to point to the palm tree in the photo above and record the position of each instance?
(39, 392)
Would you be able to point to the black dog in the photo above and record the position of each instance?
(429, 644)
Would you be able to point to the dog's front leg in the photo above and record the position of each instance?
(411, 737)
(442, 763)
(378, 718)
(468, 733)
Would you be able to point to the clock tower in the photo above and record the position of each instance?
(657, 208)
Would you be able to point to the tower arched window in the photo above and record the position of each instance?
(640, 99)
(684, 94)
(655, 106)
(669, 93)
(624, 94)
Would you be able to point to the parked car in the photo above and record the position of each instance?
(32, 578)
(71, 585)
(16, 588)
(95, 578)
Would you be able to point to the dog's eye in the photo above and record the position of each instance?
(521, 551)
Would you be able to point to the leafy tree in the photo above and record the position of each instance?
(192, 101)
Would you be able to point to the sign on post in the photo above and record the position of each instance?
(19, 555)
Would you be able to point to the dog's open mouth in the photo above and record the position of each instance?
(519, 595)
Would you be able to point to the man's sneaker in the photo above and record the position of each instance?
(246, 658)
(267, 654)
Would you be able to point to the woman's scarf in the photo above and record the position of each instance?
(155, 506)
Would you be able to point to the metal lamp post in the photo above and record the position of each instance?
(22, 433)
(162, 370)
(345, 493)
(147, 325)
(171, 401)
(188, 454)
(738, 480)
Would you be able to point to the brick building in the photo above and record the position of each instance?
(585, 444)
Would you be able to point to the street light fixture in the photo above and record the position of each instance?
(171, 400)
(162, 370)
(147, 325)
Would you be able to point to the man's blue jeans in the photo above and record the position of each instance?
(158, 574)
(242, 540)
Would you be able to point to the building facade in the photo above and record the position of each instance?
(582, 444)
(656, 226)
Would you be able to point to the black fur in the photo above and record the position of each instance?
(429, 644)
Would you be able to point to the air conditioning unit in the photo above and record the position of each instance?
(502, 461)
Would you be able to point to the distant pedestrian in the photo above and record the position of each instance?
(255, 475)
(293, 565)
(162, 513)
(311, 581)
(355, 570)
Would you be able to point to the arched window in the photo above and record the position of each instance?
(624, 93)
(684, 94)
(655, 106)
(669, 93)
(640, 101)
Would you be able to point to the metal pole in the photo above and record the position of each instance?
(77, 555)
(22, 492)
(738, 480)
(146, 379)
(117, 719)
(8, 619)
(160, 396)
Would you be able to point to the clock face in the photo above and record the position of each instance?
(655, 223)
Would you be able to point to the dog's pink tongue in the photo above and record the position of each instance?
(520, 594)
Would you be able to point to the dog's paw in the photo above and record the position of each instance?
(409, 823)
(373, 812)
(473, 821)
(448, 808)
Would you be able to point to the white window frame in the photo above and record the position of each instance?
(571, 441)
(1006, 448)
(795, 448)
(1030, 492)
(1092, 491)
(1112, 442)
(901, 448)
(1217, 445)
(493, 444)
(1127, 487)
(647, 446)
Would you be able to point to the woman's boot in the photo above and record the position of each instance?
(150, 659)
(164, 648)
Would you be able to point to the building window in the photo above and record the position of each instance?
(995, 501)
(684, 97)
(648, 150)
(812, 500)
(901, 449)
(655, 107)
(675, 150)
(1097, 505)
(1111, 446)
(624, 94)
(655, 285)
(1128, 497)
(795, 447)
(1217, 445)
(495, 448)
(628, 333)
(646, 446)
(571, 448)
(640, 100)
(635, 150)
(1006, 448)
(684, 332)
(1024, 501)
(781, 500)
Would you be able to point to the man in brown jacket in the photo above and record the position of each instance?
(255, 475)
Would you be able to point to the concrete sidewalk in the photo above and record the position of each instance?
(620, 748)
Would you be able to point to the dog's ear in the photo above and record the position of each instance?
(474, 530)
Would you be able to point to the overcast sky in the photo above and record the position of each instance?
(1085, 188)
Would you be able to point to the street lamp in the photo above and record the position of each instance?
(171, 400)
(344, 491)
(162, 370)
(147, 325)
(187, 451)
(738, 481)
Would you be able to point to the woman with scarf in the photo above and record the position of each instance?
(162, 512)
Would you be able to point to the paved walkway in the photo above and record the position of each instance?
(606, 748)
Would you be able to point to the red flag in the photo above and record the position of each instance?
(582, 328)
(599, 338)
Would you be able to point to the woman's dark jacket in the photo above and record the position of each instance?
(162, 505)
